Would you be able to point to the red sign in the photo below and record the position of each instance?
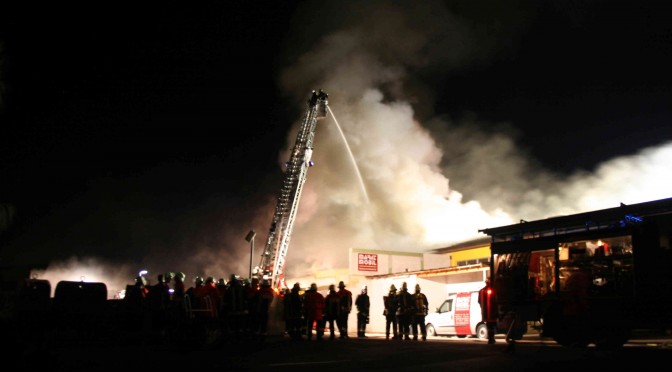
(367, 262)
(462, 314)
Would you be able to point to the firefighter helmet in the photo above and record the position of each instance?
(198, 280)
(169, 276)
(332, 288)
(341, 284)
(180, 276)
(417, 288)
(313, 287)
(404, 287)
(210, 280)
(393, 288)
(296, 287)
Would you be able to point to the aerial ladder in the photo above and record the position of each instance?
(273, 257)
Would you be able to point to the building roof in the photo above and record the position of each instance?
(467, 244)
(594, 220)
(436, 272)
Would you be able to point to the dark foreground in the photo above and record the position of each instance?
(354, 354)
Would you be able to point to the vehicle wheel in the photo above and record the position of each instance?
(571, 337)
(482, 332)
(612, 339)
(430, 330)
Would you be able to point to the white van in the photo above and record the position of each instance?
(459, 315)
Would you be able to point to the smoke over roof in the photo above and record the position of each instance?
(433, 174)
(432, 181)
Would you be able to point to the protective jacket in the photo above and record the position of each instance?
(333, 305)
(314, 305)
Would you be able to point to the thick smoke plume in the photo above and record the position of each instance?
(431, 180)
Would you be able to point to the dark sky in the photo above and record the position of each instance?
(144, 133)
(111, 91)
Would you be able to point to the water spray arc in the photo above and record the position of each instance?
(352, 157)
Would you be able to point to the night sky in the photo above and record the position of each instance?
(154, 135)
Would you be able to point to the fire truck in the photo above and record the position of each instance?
(272, 263)
(587, 278)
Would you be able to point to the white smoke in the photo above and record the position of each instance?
(431, 181)
(87, 270)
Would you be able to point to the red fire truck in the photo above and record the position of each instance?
(588, 278)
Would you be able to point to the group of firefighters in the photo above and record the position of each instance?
(239, 308)
(405, 313)
(242, 308)
(305, 312)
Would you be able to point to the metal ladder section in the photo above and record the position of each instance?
(277, 244)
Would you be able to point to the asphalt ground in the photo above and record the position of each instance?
(278, 352)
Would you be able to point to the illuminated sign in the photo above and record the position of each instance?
(367, 262)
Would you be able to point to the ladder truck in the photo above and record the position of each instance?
(272, 263)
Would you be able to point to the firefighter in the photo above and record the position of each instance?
(134, 302)
(576, 309)
(138, 291)
(158, 298)
(176, 305)
(209, 298)
(313, 98)
(405, 312)
(251, 288)
(235, 306)
(420, 311)
(332, 310)
(293, 304)
(346, 307)
(488, 315)
(190, 292)
(168, 278)
(191, 295)
(390, 312)
(263, 299)
(314, 312)
(363, 304)
(221, 289)
(178, 286)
